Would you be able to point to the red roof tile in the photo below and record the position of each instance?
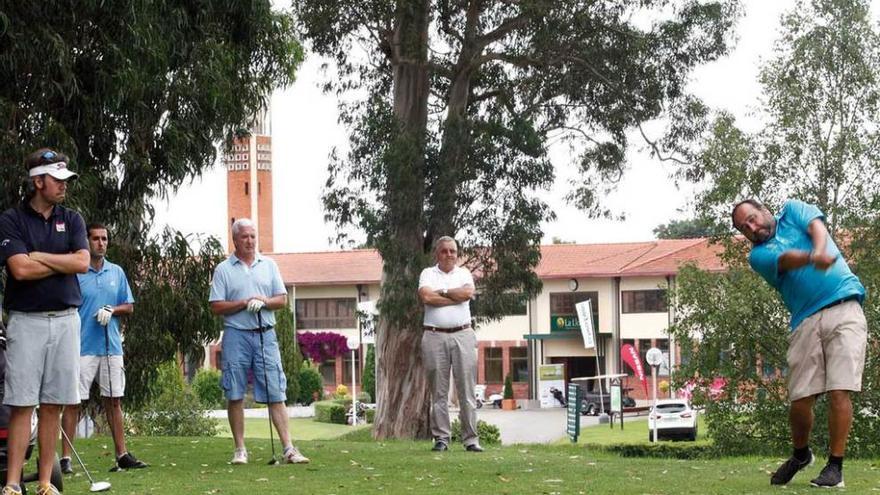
(632, 259)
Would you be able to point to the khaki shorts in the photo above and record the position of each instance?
(827, 351)
(42, 358)
(95, 367)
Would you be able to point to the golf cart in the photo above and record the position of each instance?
(5, 412)
(598, 399)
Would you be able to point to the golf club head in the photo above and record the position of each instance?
(273, 461)
(100, 486)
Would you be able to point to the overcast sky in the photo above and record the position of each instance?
(305, 128)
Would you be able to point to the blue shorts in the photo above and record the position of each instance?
(241, 354)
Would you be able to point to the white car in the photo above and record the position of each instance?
(673, 418)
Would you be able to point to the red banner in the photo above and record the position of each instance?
(631, 357)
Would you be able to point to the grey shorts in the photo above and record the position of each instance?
(827, 351)
(42, 358)
(111, 381)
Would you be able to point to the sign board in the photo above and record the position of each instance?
(564, 323)
(573, 413)
(616, 399)
(585, 315)
(367, 319)
(550, 377)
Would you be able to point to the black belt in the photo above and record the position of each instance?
(258, 329)
(447, 330)
(854, 297)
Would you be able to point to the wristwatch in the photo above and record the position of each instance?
(444, 292)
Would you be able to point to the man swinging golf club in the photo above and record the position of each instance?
(795, 254)
(106, 296)
(246, 289)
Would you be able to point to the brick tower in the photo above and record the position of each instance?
(249, 182)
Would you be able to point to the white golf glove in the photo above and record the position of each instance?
(104, 315)
(255, 305)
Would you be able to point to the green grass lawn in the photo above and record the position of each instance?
(300, 429)
(348, 466)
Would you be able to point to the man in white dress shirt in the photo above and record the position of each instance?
(449, 342)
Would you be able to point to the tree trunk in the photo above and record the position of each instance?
(401, 388)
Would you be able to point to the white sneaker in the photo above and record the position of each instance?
(239, 457)
(292, 455)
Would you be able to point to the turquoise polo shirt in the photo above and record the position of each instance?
(804, 290)
(234, 280)
(99, 287)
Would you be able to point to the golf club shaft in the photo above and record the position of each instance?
(72, 448)
(266, 380)
(107, 353)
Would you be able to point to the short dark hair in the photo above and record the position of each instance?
(751, 201)
(97, 226)
(44, 156)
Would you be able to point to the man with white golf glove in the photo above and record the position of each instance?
(106, 296)
(246, 290)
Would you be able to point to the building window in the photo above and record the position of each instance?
(663, 345)
(644, 301)
(493, 364)
(328, 372)
(245, 188)
(346, 367)
(519, 364)
(330, 313)
(563, 315)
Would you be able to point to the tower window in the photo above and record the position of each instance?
(245, 188)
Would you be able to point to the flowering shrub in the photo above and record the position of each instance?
(321, 346)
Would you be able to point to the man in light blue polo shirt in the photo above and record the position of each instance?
(106, 296)
(246, 290)
(796, 255)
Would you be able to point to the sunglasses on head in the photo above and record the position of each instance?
(49, 155)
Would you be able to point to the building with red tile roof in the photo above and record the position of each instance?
(625, 282)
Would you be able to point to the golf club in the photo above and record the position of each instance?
(272, 461)
(94, 486)
(110, 411)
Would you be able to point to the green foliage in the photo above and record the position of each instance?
(691, 228)
(821, 105)
(369, 380)
(370, 414)
(291, 358)
(206, 386)
(311, 385)
(171, 283)
(508, 386)
(330, 411)
(478, 91)
(139, 104)
(175, 410)
(489, 434)
(664, 450)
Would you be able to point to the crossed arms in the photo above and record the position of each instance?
(38, 265)
(436, 298)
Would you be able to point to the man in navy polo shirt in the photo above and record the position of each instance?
(246, 290)
(43, 246)
(106, 297)
(795, 254)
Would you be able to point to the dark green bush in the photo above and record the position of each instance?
(489, 433)
(508, 387)
(311, 385)
(291, 358)
(369, 380)
(206, 386)
(330, 411)
(665, 450)
(371, 415)
(175, 409)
